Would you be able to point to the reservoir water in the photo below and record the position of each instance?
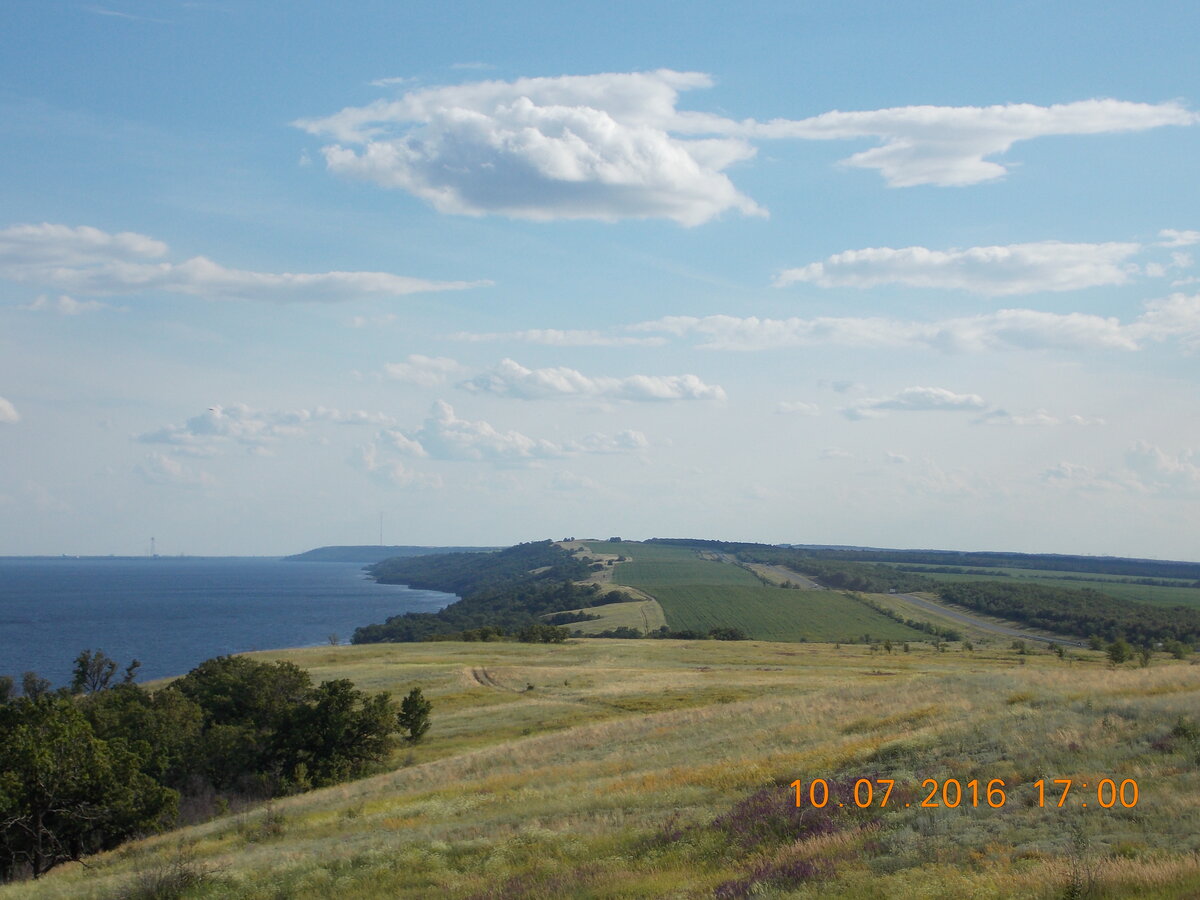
(174, 613)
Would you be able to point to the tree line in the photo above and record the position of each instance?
(509, 591)
(1077, 612)
(88, 766)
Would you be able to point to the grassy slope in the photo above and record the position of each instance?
(568, 789)
(644, 615)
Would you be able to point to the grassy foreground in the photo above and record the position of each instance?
(630, 769)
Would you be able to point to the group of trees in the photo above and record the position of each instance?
(1077, 612)
(86, 767)
(506, 591)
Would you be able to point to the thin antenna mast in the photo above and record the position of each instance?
(381, 529)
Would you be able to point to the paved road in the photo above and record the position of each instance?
(982, 624)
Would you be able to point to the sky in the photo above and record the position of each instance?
(276, 275)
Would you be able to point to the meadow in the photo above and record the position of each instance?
(601, 768)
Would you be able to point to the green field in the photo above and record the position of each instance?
(651, 565)
(622, 769)
(775, 614)
(698, 594)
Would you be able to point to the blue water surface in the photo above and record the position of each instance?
(173, 613)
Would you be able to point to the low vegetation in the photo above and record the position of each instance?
(664, 769)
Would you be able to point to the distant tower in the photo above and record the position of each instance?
(152, 550)
(381, 529)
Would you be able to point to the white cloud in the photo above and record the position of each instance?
(798, 407)
(425, 371)
(1173, 238)
(914, 399)
(1038, 418)
(1006, 329)
(948, 145)
(1174, 317)
(8, 413)
(1155, 470)
(222, 426)
(445, 436)
(621, 442)
(389, 470)
(605, 147)
(65, 305)
(996, 271)
(613, 146)
(158, 468)
(510, 379)
(894, 458)
(554, 337)
(86, 260)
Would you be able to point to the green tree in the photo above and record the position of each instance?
(338, 733)
(414, 715)
(1119, 651)
(65, 793)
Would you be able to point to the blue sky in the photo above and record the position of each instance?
(898, 274)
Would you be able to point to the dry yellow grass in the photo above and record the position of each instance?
(559, 773)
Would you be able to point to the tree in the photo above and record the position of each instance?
(414, 715)
(1119, 651)
(93, 672)
(65, 793)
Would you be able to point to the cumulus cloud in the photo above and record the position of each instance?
(914, 399)
(425, 371)
(1173, 238)
(85, 260)
(65, 305)
(511, 379)
(554, 337)
(996, 271)
(223, 426)
(8, 413)
(949, 145)
(389, 470)
(615, 145)
(158, 468)
(1156, 470)
(605, 147)
(1176, 317)
(446, 436)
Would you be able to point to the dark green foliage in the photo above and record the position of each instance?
(542, 634)
(34, 686)
(266, 728)
(509, 590)
(1119, 651)
(6, 688)
(1177, 649)
(570, 618)
(65, 793)
(1070, 611)
(413, 717)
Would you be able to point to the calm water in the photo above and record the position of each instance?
(173, 613)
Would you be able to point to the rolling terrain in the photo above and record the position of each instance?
(662, 769)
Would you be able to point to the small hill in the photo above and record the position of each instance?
(373, 553)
